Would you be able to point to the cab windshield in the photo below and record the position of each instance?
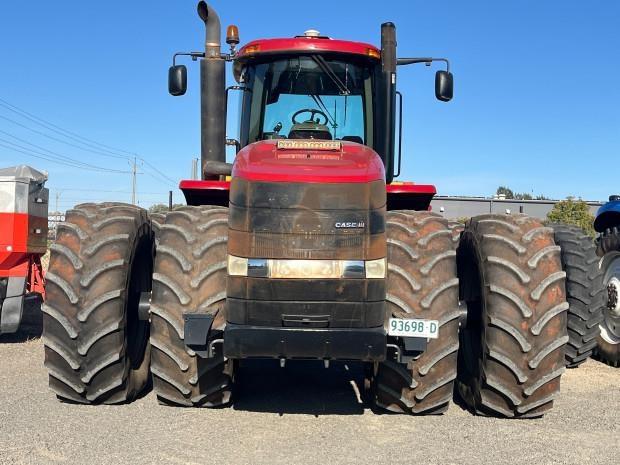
(310, 97)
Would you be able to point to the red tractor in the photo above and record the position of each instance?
(304, 248)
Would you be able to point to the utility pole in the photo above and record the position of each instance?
(57, 198)
(194, 168)
(134, 170)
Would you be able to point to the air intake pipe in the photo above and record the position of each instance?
(212, 93)
(388, 100)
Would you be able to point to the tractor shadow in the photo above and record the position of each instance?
(301, 387)
(31, 326)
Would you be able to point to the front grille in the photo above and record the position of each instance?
(308, 246)
(302, 246)
(307, 221)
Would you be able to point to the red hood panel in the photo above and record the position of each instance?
(264, 161)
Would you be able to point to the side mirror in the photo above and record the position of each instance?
(444, 86)
(177, 80)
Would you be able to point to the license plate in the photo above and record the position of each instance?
(413, 328)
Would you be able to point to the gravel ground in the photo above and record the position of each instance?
(297, 415)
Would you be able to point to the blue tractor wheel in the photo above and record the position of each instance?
(607, 223)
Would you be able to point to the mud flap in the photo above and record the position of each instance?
(11, 309)
(197, 328)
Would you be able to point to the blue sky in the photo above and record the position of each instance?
(536, 107)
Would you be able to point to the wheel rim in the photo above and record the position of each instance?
(610, 327)
(137, 331)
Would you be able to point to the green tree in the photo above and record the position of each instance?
(512, 195)
(161, 207)
(575, 212)
(503, 190)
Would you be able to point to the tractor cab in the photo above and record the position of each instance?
(307, 87)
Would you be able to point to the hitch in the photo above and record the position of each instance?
(408, 348)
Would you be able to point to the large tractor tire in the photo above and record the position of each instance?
(190, 277)
(513, 344)
(96, 347)
(457, 228)
(608, 349)
(421, 283)
(157, 219)
(584, 291)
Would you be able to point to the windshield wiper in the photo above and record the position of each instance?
(319, 60)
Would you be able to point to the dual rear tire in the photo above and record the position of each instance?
(584, 289)
(96, 347)
(512, 345)
(511, 348)
(422, 283)
(508, 356)
(190, 277)
(97, 350)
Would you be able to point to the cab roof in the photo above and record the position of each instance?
(306, 44)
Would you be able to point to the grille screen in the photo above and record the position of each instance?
(301, 245)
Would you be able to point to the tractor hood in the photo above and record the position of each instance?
(312, 161)
(608, 215)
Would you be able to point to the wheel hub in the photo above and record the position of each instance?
(610, 327)
(613, 304)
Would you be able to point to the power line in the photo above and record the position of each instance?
(30, 153)
(50, 152)
(95, 147)
(58, 159)
(36, 131)
(59, 130)
(157, 178)
(36, 156)
(157, 170)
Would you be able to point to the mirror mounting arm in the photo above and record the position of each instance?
(426, 61)
(194, 55)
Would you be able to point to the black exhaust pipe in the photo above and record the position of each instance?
(388, 93)
(212, 93)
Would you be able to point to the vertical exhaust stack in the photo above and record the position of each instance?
(212, 92)
(388, 90)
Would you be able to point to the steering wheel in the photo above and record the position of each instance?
(312, 112)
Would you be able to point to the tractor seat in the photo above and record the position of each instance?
(356, 139)
(310, 130)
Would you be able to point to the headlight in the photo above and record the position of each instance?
(237, 266)
(375, 269)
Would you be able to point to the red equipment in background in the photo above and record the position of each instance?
(23, 240)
